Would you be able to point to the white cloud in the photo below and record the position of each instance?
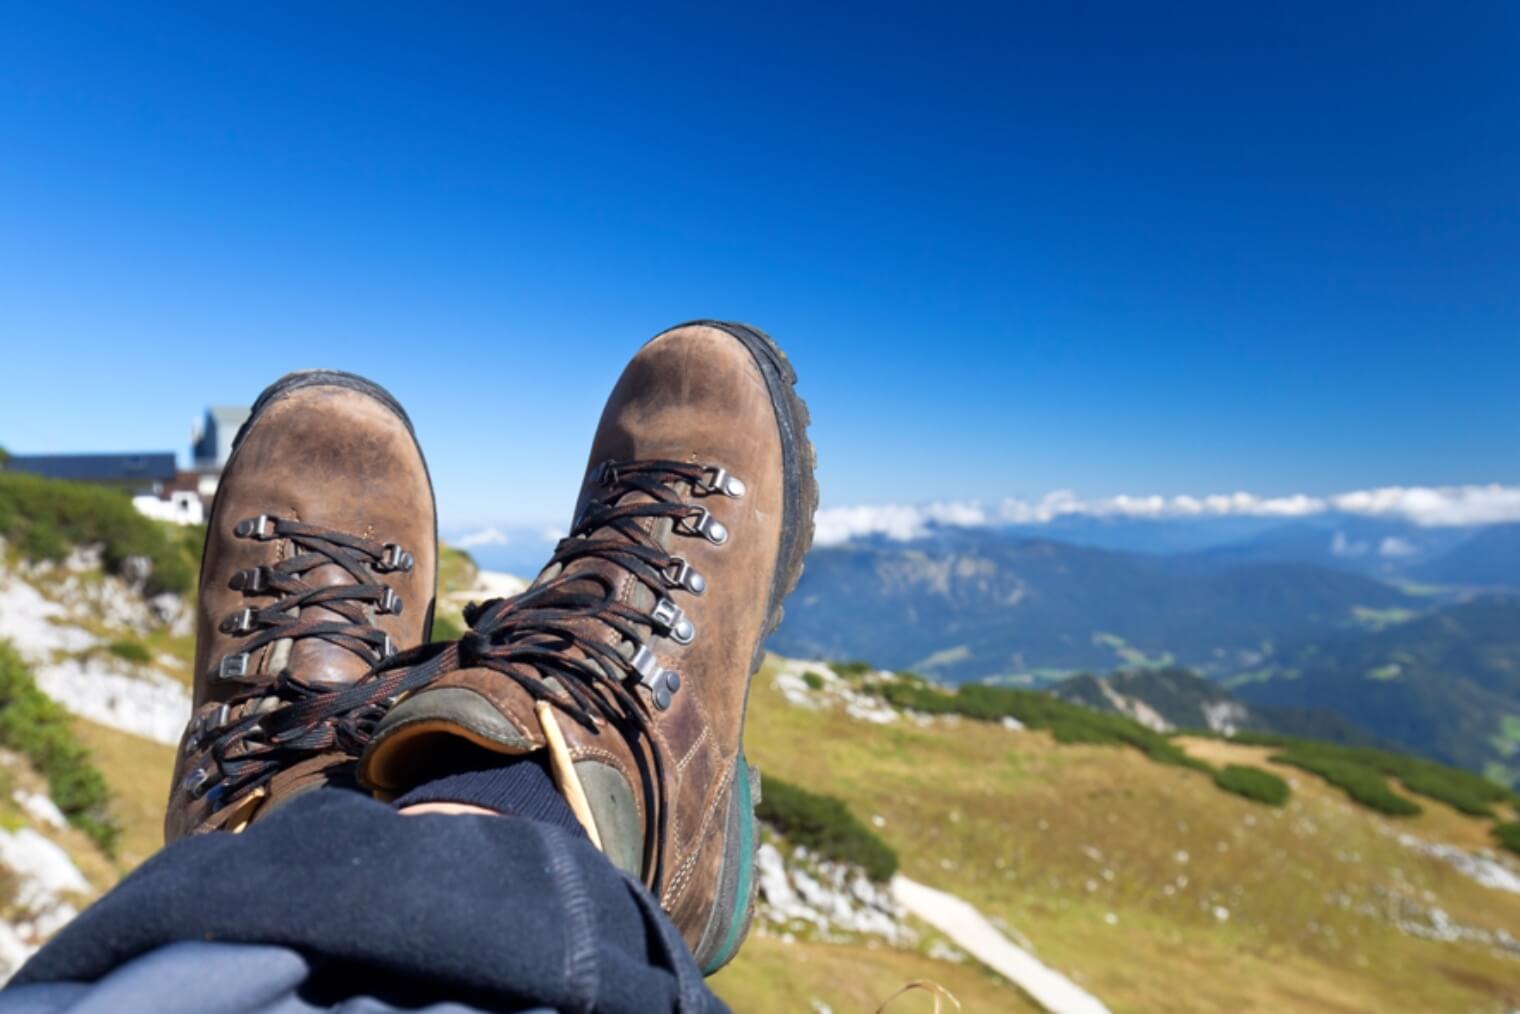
(1436, 506)
(484, 537)
(840, 524)
(1395, 546)
(1421, 505)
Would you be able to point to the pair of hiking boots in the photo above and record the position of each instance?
(625, 665)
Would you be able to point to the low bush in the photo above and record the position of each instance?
(1470, 793)
(813, 680)
(1366, 785)
(1508, 835)
(45, 518)
(33, 725)
(825, 825)
(1072, 723)
(445, 629)
(852, 671)
(1253, 783)
(131, 651)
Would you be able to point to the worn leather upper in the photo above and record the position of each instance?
(693, 395)
(327, 455)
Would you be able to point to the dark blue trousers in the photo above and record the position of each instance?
(337, 903)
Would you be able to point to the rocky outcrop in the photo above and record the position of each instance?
(60, 617)
(47, 892)
(803, 893)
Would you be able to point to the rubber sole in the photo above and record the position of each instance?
(734, 907)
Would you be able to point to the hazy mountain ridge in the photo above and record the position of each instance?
(978, 604)
(1490, 559)
(1445, 684)
(1322, 649)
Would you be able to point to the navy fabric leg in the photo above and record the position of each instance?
(501, 913)
(521, 787)
(193, 977)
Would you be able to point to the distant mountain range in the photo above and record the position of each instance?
(1342, 628)
(1475, 556)
(1445, 684)
(977, 604)
(1490, 558)
(1170, 699)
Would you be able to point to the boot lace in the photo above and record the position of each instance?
(246, 753)
(543, 633)
(556, 630)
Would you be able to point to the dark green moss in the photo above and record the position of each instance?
(46, 518)
(33, 725)
(825, 825)
(130, 651)
(1253, 783)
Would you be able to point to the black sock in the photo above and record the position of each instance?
(522, 787)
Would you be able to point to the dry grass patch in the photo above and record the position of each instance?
(138, 772)
(773, 977)
(1144, 882)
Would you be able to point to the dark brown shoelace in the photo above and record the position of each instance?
(279, 597)
(544, 633)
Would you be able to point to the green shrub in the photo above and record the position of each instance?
(823, 824)
(33, 725)
(45, 518)
(813, 680)
(1067, 722)
(1366, 785)
(1508, 835)
(131, 651)
(1253, 783)
(853, 670)
(1470, 793)
(445, 629)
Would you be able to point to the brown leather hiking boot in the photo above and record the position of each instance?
(320, 561)
(629, 659)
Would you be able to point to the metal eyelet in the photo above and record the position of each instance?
(208, 723)
(394, 558)
(390, 603)
(387, 647)
(709, 527)
(233, 667)
(680, 574)
(665, 689)
(261, 528)
(250, 582)
(720, 480)
(197, 782)
(240, 622)
(672, 621)
(662, 683)
(606, 475)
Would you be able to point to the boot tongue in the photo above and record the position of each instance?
(312, 658)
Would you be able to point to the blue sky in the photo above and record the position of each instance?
(1117, 249)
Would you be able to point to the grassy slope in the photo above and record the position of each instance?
(771, 977)
(1002, 818)
(138, 771)
(964, 804)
